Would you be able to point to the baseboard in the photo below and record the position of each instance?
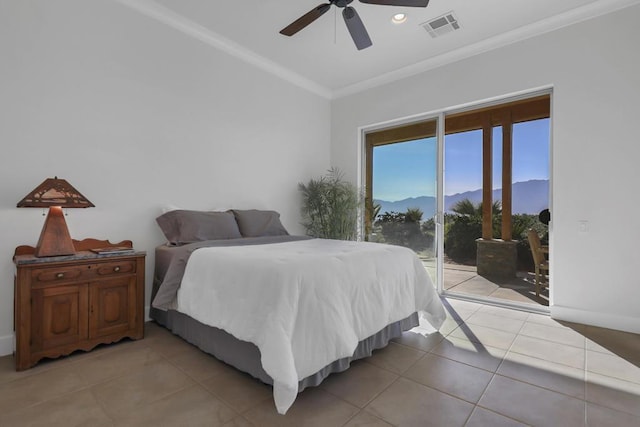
(146, 314)
(594, 318)
(6, 345)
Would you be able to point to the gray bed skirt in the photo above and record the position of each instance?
(245, 356)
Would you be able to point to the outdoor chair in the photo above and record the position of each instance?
(540, 255)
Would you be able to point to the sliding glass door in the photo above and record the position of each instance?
(465, 190)
(402, 189)
(496, 185)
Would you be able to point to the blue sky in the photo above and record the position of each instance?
(408, 169)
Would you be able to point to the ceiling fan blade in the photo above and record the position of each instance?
(305, 19)
(407, 3)
(356, 28)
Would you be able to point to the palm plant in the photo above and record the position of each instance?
(372, 210)
(413, 215)
(330, 207)
(467, 208)
(464, 226)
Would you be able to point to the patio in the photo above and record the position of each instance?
(464, 280)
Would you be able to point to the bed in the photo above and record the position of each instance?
(288, 310)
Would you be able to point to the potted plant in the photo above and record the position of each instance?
(330, 207)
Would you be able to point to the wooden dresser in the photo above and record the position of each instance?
(75, 302)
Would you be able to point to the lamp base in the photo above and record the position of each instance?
(54, 238)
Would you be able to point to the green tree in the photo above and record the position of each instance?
(464, 227)
(521, 223)
(330, 207)
(373, 210)
(403, 228)
(413, 215)
(466, 207)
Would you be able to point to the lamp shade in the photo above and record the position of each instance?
(55, 194)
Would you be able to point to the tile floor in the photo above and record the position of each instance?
(487, 366)
(463, 279)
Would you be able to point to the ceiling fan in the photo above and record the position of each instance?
(351, 18)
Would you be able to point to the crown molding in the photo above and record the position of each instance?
(166, 16)
(178, 22)
(574, 16)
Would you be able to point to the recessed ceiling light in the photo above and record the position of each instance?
(399, 18)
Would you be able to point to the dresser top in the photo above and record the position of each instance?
(86, 250)
(78, 256)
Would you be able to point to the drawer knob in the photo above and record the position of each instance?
(59, 275)
(116, 269)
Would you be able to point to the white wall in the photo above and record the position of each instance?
(136, 115)
(594, 68)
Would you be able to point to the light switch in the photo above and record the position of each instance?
(583, 226)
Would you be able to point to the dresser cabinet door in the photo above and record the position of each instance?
(60, 316)
(112, 306)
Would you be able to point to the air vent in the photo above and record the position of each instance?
(442, 25)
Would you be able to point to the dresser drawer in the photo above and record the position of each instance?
(82, 272)
(115, 268)
(57, 274)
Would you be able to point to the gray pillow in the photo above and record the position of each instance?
(257, 223)
(183, 226)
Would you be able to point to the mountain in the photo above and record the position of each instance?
(425, 203)
(528, 197)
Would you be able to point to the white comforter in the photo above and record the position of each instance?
(306, 303)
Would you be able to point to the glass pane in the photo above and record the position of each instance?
(530, 196)
(462, 164)
(531, 166)
(463, 210)
(404, 196)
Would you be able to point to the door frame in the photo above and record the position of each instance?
(440, 115)
(493, 102)
(362, 177)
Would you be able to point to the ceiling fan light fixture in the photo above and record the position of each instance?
(399, 18)
(351, 18)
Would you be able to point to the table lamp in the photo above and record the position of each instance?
(55, 194)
